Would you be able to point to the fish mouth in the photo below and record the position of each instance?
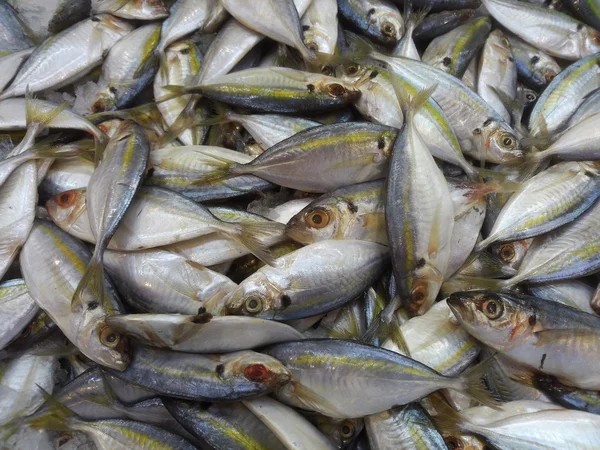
(457, 303)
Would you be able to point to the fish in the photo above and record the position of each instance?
(381, 21)
(203, 333)
(417, 201)
(553, 32)
(63, 58)
(228, 377)
(290, 289)
(439, 23)
(317, 364)
(14, 35)
(535, 332)
(53, 290)
(109, 193)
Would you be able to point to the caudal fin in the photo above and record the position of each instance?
(91, 285)
(474, 386)
(251, 236)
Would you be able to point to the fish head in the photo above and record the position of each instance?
(106, 100)
(66, 207)
(257, 297)
(512, 253)
(464, 442)
(386, 26)
(424, 289)
(322, 219)
(110, 127)
(318, 41)
(500, 142)
(492, 318)
(326, 86)
(591, 40)
(105, 345)
(255, 368)
(111, 29)
(339, 431)
(150, 9)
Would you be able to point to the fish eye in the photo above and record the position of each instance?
(530, 96)
(550, 76)
(98, 107)
(388, 29)
(418, 295)
(351, 69)
(113, 90)
(447, 61)
(256, 372)
(109, 337)
(534, 59)
(326, 69)
(347, 429)
(507, 253)
(336, 90)
(66, 198)
(507, 141)
(312, 46)
(492, 309)
(318, 219)
(253, 305)
(454, 443)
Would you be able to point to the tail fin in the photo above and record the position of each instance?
(474, 386)
(57, 418)
(447, 419)
(92, 281)
(250, 235)
(411, 103)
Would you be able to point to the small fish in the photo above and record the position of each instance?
(300, 283)
(203, 333)
(63, 58)
(319, 364)
(379, 20)
(543, 335)
(534, 67)
(52, 289)
(555, 33)
(228, 377)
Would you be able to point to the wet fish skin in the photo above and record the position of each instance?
(163, 282)
(553, 32)
(229, 426)
(439, 23)
(453, 51)
(14, 38)
(318, 364)
(17, 309)
(403, 427)
(568, 396)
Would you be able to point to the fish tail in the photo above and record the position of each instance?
(448, 420)
(36, 116)
(250, 235)
(474, 386)
(92, 281)
(186, 121)
(57, 418)
(411, 103)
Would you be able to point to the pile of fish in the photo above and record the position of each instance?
(299, 224)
